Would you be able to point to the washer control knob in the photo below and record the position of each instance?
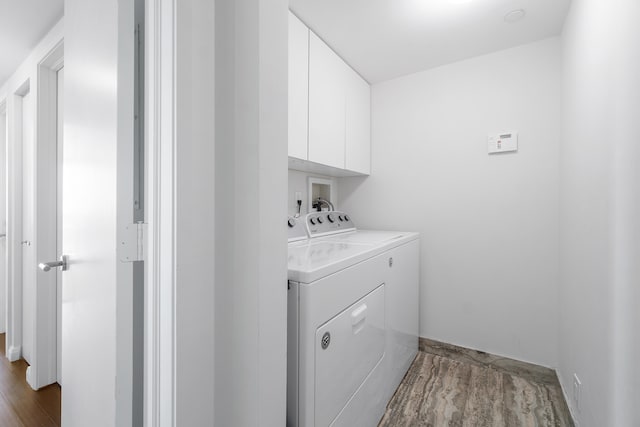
(312, 221)
(291, 223)
(346, 218)
(320, 221)
(331, 218)
(340, 218)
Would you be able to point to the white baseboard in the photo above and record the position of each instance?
(30, 379)
(13, 353)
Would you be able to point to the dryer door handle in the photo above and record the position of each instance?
(359, 315)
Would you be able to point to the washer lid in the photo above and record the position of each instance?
(368, 236)
(314, 255)
(316, 258)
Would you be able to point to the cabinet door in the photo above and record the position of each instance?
(326, 104)
(298, 87)
(358, 124)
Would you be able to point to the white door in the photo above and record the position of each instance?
(97, 186)
(28, 257)
(60, 133)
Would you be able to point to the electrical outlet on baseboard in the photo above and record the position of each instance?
(577, 391)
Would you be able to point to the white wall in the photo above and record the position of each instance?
(250, 185)
(489, 224)
(600, 211)
(194, 213)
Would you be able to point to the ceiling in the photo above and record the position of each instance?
(384, 39)
(23, 23)
(381, 39)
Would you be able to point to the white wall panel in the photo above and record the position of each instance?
(488, 224)
(600, 207)
(28, 235)
(250, 185)
(194, 249)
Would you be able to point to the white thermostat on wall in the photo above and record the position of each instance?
(503, 142)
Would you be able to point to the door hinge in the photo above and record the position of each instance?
(133, 243)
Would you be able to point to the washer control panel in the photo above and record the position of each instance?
(332, 222)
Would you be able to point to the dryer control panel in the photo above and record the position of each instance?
(327, 223)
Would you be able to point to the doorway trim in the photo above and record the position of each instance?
(44, 367)
(3, 217)
(3, 191)
(24, 80)
(160, 141)
(14, 221)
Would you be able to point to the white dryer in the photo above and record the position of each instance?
(352, 319)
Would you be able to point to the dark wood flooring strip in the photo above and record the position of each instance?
(19, 404)
(8, 417)
(473, 391)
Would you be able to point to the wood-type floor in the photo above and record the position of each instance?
(451, 386)
(20, 406)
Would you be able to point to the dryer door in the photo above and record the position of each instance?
(347, 349)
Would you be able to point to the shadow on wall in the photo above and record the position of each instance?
(348, 186)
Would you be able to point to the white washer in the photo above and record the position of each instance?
(353, 319)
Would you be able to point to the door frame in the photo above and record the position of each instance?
(44, 368)
(160, 390)
(3, 188)
(24, 79)
(14, 220)
(179, 320)
(182, 61)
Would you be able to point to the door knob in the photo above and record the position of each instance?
(47, 266)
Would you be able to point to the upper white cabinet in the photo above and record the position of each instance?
(329, 108)
(298, 88)
(327, 104)
(358, 124)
